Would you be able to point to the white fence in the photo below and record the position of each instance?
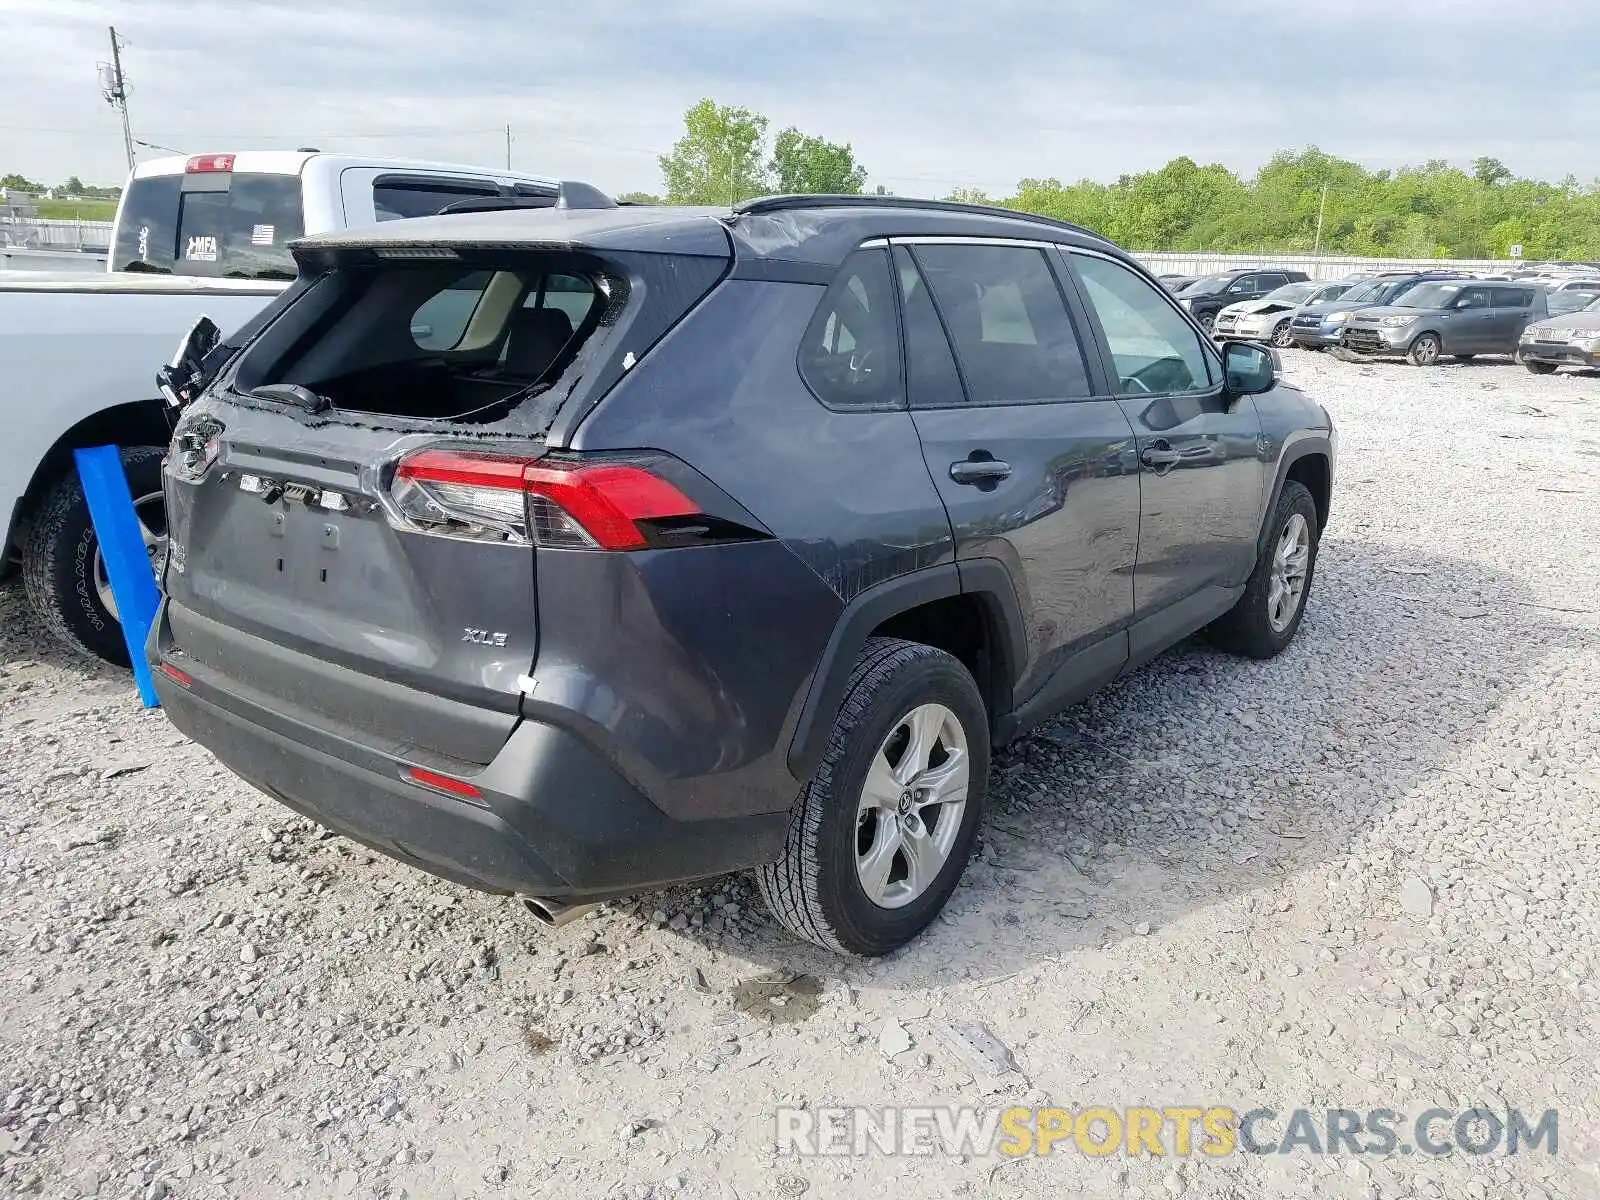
(1317, 266)
(38, 234)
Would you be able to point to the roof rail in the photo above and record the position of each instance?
(771, 204)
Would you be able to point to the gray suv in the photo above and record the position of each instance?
(576, 552)
(1462, 318)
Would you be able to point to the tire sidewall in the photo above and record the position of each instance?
(862, 926)
(59, 559)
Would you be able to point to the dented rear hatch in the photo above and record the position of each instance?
(350, 539)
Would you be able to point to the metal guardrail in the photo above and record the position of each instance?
(37, 233)
(1317, 266)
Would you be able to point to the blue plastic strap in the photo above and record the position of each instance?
(116, 526)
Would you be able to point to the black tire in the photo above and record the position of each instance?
(815, 890)
(1247, 627)
(59, 554)
(1424, 350)
(1281, 337)
(1540, 368)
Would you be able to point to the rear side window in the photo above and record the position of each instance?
(1273, 281)
(395, 198)
(1013, 336)
(1152, 347)
(1511, 297)
(440, 321)
(850, 354)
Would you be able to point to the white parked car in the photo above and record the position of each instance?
(1267, 319)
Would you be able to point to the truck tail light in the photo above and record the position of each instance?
(506, 498)
(203, 164)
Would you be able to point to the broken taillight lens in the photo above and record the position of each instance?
(506, 498)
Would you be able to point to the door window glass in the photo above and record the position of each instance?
(1013, 336)
(932, 380)
(1152, 347)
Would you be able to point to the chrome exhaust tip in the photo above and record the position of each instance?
(553, 913)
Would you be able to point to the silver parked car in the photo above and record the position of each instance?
(1571, 339)
(1267, 319)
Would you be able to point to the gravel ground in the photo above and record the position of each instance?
(1362, 875)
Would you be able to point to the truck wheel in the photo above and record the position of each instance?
(62, 572)
(1267, 616)
(882, 833)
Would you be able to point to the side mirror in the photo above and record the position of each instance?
(183, 378)
(1248, 369)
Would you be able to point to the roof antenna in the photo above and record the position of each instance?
(572, 194)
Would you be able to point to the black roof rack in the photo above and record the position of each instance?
(771, 204)
(569, 193)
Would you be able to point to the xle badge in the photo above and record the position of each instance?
(482, 637)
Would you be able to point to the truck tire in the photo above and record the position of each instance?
(61, 569)
(867, 868)
(1267, 616)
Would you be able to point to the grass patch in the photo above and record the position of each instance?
(77, 210)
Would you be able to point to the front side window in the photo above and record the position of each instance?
(1006, 317)
(850, 354)
(1152, 347)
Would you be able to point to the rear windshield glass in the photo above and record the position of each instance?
(448, 341)
(220, 226)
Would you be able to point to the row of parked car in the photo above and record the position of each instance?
(1545, 322)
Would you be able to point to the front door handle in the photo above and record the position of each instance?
(1160, 456)
(979, 470)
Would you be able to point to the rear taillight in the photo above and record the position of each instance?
(506, 498)
(202, 164)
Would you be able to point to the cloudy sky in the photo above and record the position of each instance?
(933, 94)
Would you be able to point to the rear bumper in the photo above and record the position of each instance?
(553, 817)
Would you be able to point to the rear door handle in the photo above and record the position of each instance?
(1160, 456)
(979, 470)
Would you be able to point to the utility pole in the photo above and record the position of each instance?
(1321, 208)
(115, 89)
(508, 147)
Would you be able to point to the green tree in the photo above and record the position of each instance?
(21, 182)
(638, 198)
(970, 195)
(73, 186)
(1490, 171)
(718, 160)
(802, 164)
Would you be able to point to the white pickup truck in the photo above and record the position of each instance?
(206, 235)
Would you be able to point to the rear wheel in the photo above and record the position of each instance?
(882, 833)
(1281, 337)
(1267, 616)
(1540, 368)
(1424, 351)
(62, 571)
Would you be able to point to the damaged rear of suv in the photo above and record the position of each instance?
(575, 552)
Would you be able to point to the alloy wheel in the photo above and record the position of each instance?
(152, 513)
(910, 811)
(1291, 564)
